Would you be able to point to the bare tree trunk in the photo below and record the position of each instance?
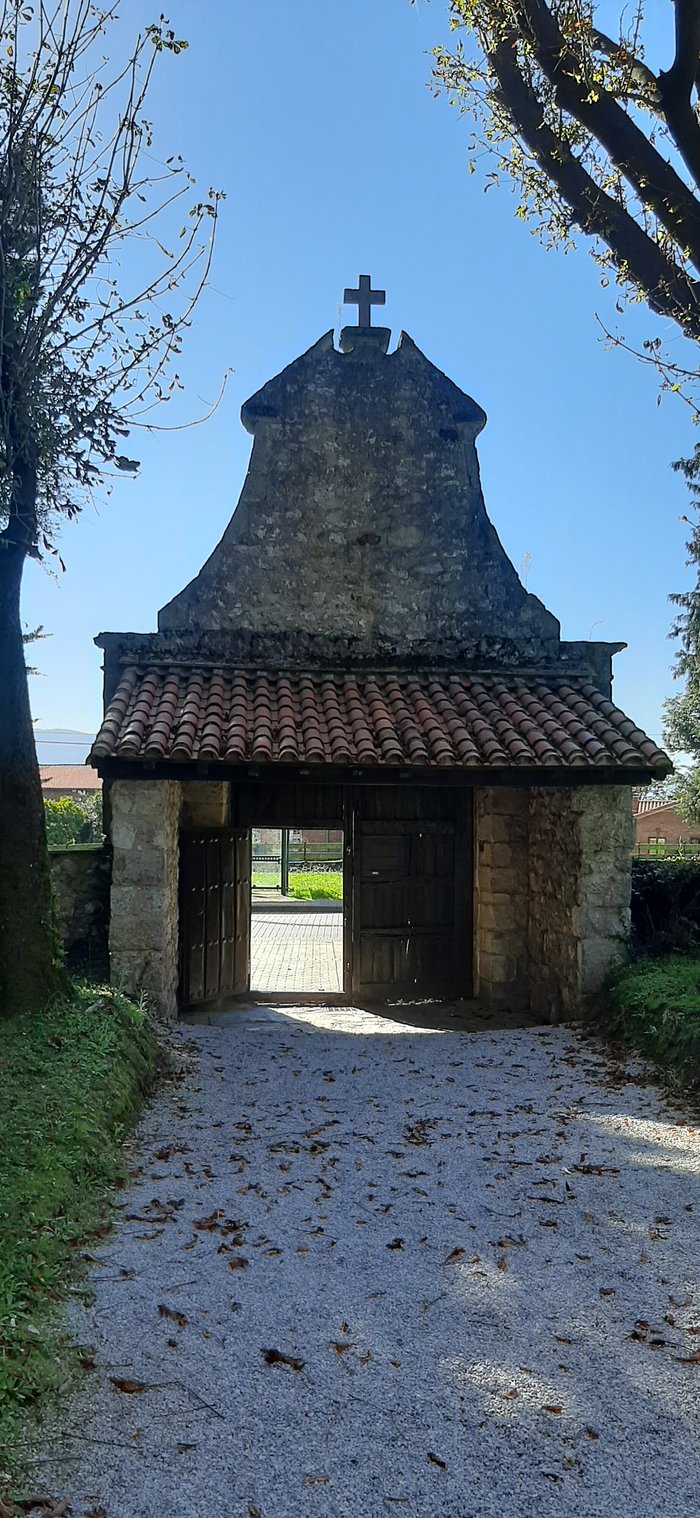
(30, 969)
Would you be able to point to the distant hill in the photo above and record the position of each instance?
(62, 745)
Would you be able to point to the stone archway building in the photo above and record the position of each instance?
(358, 651)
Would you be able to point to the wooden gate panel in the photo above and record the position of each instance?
(208, 916)
(411, 907)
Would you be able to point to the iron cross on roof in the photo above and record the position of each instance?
(364, 298)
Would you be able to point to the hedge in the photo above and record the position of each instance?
(665, 905)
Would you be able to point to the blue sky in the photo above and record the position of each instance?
(318, 121)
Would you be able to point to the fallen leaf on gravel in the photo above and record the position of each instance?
(164, 1153)
(317, 1480)
(238, 1262)
(590, 1169)
(549, 1407)
(124, 1384)
(435, 1460)
(339, 1345)
(592, 1432)
(395, 1244)
(508, 1242)
(509, 1396)
(207, 1224)
(689, 1359)
(502, 1263)
(277, 1357)
(685, 1303)
(455, 1254)
(171, 1312)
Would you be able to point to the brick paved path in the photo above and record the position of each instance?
(296, 951)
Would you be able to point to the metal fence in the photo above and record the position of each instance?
(688, 849)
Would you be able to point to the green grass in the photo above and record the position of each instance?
(654, 1005)
(73, 1079)
(317, 885)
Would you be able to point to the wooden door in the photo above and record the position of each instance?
(214, 915)
(411, 906)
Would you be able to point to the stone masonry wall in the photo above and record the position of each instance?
(606, 829)
(80, 884)
(554, 883)
(579, 890)
(143, 937)
(501, 896)
(205, 804)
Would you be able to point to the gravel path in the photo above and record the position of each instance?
(368, 1270)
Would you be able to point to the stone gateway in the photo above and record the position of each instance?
(358, 652)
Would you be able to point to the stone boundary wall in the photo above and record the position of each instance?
(80, 880)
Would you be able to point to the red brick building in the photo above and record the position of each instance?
(660, 827)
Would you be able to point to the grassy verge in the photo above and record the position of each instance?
(654, 1005)
(73, 1079)
(316, 885)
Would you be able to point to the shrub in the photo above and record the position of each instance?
(654, 1004)
(665, 905)
(69, 822)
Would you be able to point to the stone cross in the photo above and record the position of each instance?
(364, 298)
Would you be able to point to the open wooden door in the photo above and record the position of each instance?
(214, 915)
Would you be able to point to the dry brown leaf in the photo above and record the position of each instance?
(689, 1359)
(509, 1396)
(277, 1357)
(125, 1384)
(502, 1263)
(435, 1460)
(317, 1480)
(455, 1254)
(592, 1432)
(171, 1312)
(207, 1224)
(549, 1407)
(238, 1262)
(339, 1345)
(395, 1244)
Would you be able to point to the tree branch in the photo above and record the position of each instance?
(669, 292)
(654, 180)
(677, 84)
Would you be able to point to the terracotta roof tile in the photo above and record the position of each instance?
(68, 777)
(390, 719)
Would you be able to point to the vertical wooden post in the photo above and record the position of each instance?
(284, 863)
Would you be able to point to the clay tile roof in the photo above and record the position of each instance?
(68, 777)
(169, 714)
